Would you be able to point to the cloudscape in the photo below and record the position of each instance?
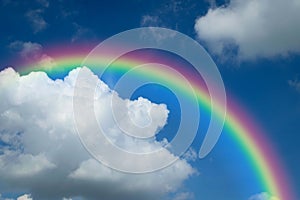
(149, 100)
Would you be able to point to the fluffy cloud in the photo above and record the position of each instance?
(22, 165)
(263, 196)
(253, 28)
(41, 153)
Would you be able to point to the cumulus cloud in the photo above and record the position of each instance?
(263, 196)
(41, 153)
(252, 28)
(36, 20)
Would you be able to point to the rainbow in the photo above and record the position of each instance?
(241, 128)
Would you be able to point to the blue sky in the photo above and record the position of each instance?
(255, 45)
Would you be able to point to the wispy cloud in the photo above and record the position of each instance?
(82, 33)
(32, 52)
(295, 84)
(168, 15)
(27, 50)
(184, 196)
(36, 20)
(150, 20)
(43, 3)
(212, 3)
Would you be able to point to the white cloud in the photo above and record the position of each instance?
(41, 151)
(14, 164)
(263, 196)
(36, 19)
(25, 197)
(152, 182)
(256, 28)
